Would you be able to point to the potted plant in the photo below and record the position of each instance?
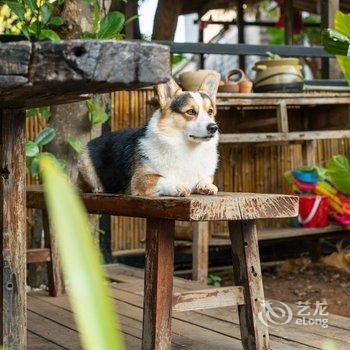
(337, 42)
(278, 74)
(29, 20)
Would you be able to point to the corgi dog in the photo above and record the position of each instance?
(174, 154)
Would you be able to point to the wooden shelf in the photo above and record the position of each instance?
(274, 99)
(284, 136)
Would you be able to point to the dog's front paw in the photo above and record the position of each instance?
(182, 191)
(206, 188)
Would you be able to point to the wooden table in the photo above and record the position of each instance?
(240, 210)
(49, 73)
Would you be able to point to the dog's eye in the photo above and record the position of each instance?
(191, 112)
(210, 111)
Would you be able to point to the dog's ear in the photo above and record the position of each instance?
(210, 85)
(167, 91)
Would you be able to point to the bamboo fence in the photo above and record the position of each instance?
(247, 168)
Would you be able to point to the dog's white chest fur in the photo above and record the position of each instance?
(174, 158)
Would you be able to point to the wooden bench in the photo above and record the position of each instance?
(240, 210)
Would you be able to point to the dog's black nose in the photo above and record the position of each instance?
(212, 128)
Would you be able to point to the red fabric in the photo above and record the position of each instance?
(320, 219)
(298, 23)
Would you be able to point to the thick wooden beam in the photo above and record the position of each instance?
(159, 268)
(47, 72)
(208, 298)
(13, 228)
(247, 273)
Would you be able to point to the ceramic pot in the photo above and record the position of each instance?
(192, 81)
(278, 75)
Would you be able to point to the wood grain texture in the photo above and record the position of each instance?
(159, 268)
(200, 255)
(224, 206)
(37, 255)
(247, 273)
(208, 299)
(284, 137)
(54, 268)
(48, 73)
(13, 223)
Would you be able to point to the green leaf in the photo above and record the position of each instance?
(130, 19)
(56, 21)
(342, 25)
(46, 13)
(339, 171)
(31, 4)
(45, 112)
(88, 35)
(48, 34)
(111, 25)
(35, 167)
(16, 8)
(75, 143)
(31, 148)
(92, 306)
(97, 115)
(31, 112)
(45, 136)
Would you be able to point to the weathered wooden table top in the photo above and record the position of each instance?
(224, 206)
(47, 73)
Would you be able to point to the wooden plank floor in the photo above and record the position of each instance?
(51, 324)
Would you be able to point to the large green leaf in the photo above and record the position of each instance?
(32, 149)
(111, 25)
(339, 171)
(342, 25)
(88, 288)
(97, 115)
(75, 143)
(45, 136)
(48, 34)
(16, 8)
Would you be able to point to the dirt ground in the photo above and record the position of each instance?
(311, 283)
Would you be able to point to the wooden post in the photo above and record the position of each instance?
(282, 117)
(159, 268)
(54, 271)
(247, 273)
(200, 247)
(309, 149)
(288, 21)
(240, 29)
(328, 10)
(201, 26)
(13, 227)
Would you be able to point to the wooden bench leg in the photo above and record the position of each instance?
(247, 273)
(159, 268)
(54, 271)
(200, 248)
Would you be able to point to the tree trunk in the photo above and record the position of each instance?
(165, 19)
(71, 119)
